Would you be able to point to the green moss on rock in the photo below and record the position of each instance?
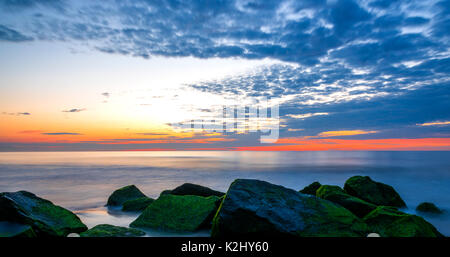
(373, 192)
(335, 194)
(390, 222)
(311, 189)
(43, 216)
(12, 229)
(124, 194)
(178, 213)
(258, 208)
(428, 207)
(105, 230)
(136, 205)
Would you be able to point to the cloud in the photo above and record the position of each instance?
(11, 35)
(17, 113)
(303, 32)
(376, 65)
(61, 134)
(436, 123)
(152, 134)
(30, 131)
(294, 130)
(74, 110)
(344, 133)
(306, 115)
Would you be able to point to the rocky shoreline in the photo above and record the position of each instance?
(361, 208)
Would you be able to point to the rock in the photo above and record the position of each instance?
(73, 235)
(311, 189)
(373, 192)
(193, 189)
(389, 222)
(105, 230)
(43, 216)
(124, 194)
(178, 213)
(335, 194)
(428, 207)
(258, 208)
(138, 204)
(373, 235)
(12, 229)
(166, 192)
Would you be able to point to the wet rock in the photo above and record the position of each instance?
(178, 213)
(311, 189)
(389, 222)
(12, 229)
(429, 208)
(121, 195)
(137, 205)
(373, 192)
(105, 230)
(45, 218)
(258, 208)
(193, 189)
(335, 194)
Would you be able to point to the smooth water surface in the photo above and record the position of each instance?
(82, 181)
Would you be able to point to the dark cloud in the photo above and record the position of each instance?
(8, 34)
(75, 110)
(294, 31)
(17, 113)
(61, 134)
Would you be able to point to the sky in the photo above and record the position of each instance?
(123, 75)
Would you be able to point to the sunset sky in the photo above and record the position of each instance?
(119, 75)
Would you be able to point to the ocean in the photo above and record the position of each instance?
(82, 181)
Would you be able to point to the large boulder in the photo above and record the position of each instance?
(178, 213)
(373, 192)
(45, 218)
(12, 229)
(105, 230)
(429, 208)
(121, 195)
(258, 208)
(389, 222)
(311, 189)
(335, 194)
(137, 205)
(193, 189)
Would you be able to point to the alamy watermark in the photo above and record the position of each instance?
(259, 115)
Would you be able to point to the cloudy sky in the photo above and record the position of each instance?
(120, 75)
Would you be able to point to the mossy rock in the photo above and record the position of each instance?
(137, 205)
(45, 218)
(373, 192)
(105, 230)
(311, 189)
(118, 197)
(178, 213)
(429, 208)
(258, 208)
(335, 194)
(166, 192)
(12, 229)
(389, 222)
(193, 189)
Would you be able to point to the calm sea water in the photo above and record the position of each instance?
(82, 181)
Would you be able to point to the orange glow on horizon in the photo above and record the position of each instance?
(292, 144)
